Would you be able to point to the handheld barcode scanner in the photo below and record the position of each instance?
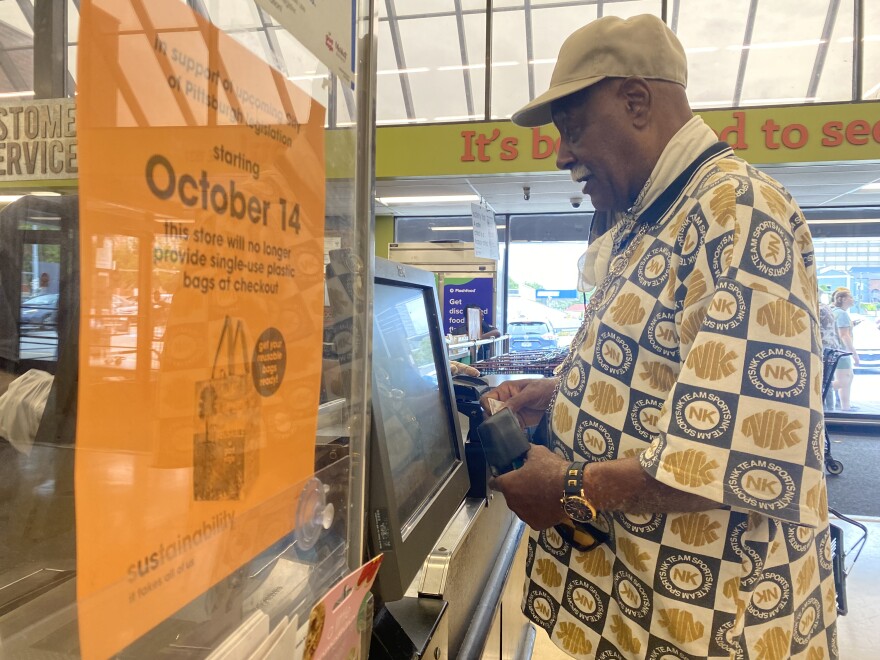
(504, 442)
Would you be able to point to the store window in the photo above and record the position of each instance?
(432, 61)
(848, 268)
(526, 38)
(543, 276)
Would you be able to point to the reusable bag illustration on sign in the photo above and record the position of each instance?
(226, 449)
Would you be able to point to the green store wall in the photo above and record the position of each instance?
(384, 234)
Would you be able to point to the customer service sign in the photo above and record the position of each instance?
(202, 183)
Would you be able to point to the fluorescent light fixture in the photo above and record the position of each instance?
(461, 67)
(310, 76)
(458, 117)
(15, 95)
(460, 228)
(847, 221)
(401, 121)
(543, 60)
(428, 199)
(874, 185)
(769, 45)
(418, 69)
(38, 193)
(712, 104)
(793, 99)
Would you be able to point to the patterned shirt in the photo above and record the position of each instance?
(704, 361)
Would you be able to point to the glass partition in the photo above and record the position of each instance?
(182, 406)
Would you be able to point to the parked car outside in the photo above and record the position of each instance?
(122, 314)
(40, 311)
(531, 335)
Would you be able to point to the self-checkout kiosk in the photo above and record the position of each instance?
(448, 541)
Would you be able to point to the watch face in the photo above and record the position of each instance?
(577, 509)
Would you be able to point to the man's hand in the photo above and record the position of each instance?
(527, 399)
(534, 492)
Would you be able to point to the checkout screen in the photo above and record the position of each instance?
(413, 410)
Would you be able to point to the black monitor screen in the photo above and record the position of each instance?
(407, 397)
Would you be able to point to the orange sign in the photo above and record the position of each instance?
(202, 185)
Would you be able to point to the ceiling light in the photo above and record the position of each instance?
(310, 76)
(36, 193)
(428, 199)
(457, 117)
(414, 120)
(842, 221)
(15, 95)
(874, 185)
(780, 101)
(385, 72)
(460, 67)
(777, 44)
(460, 228)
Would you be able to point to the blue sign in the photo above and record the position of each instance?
(557, 293)
(459, 293)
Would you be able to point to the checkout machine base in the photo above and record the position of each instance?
(465, 602)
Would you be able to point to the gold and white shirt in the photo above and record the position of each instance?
(703, 360)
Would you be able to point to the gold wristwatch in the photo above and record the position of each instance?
(574, 502)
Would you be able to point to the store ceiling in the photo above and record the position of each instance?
(812, 185)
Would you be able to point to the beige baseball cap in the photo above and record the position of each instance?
(609, 47)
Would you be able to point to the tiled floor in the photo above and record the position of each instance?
(859, 631)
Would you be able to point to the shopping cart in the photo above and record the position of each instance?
(523, 362)
(839, 554)
(830, 358)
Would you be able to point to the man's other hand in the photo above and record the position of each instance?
(534, 492)
(527, 398)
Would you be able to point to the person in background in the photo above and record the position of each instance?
(44, 284)
(830, 341)
(681, 510)
(842, 300)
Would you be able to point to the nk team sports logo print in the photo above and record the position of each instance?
(586, 602)
(653, 269)
(770, 250)
(614, 354)
(594, 440)
(774, 372)
(662, 334)
(644, 418)
(690, 239)
(762, 484)
(702, 414)
(728, 311)
(686, 577)
(542, 608)
(771, 596)
(806, 621)
(632, 596)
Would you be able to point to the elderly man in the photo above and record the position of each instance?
(682, 512)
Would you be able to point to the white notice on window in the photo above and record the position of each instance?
(485, 233)
(326, 28)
